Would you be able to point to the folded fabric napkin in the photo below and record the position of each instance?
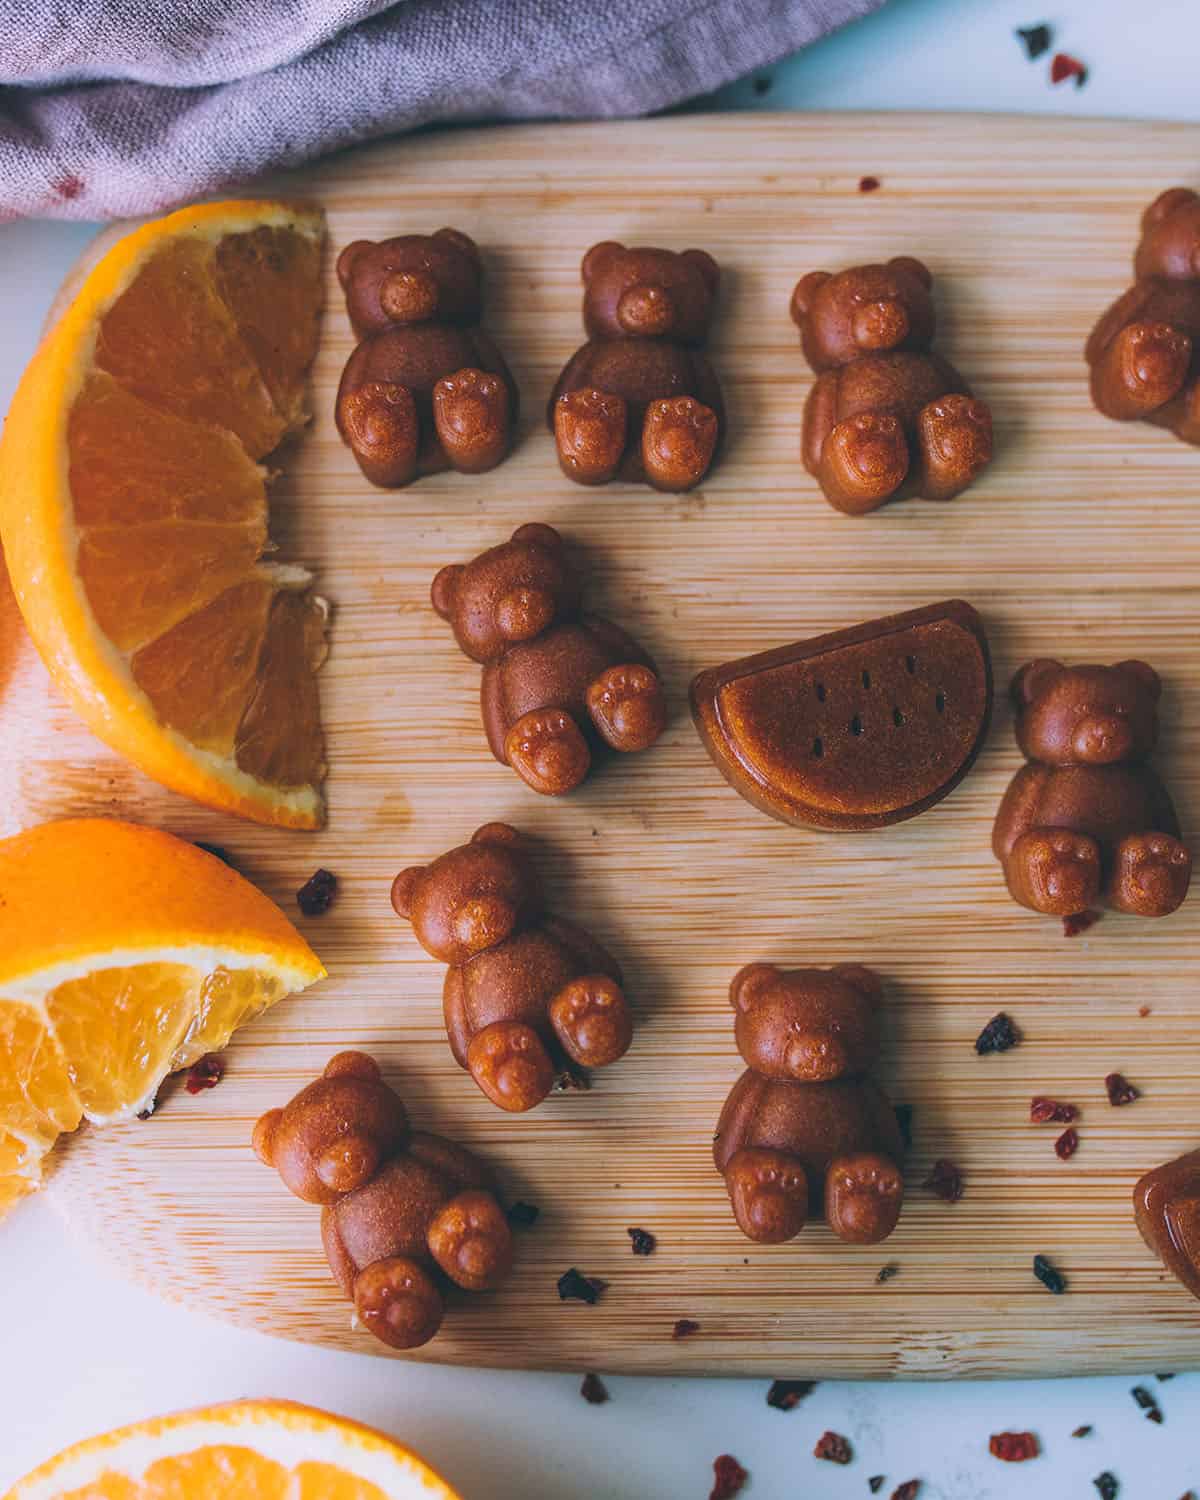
(113, 107)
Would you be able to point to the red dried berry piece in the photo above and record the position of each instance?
(574, 1286)
(1066, 1145)
(907, 1490)
(999, 1035)
(314, 896)
(945, 1180)
(1084, 1431)
(1043, 1111)
(593, 1390)
(1035, 40)
(1155, 1416)
(1079, 922)
(869, 184)
(1119, 1089)
(1107, 1484)
(786, 1395)
(1144, 1011)
(875, 1483)
(205, 1074)
(728, 1477)
(1013, 1447)
(523, 1215)
(1065, 66)
(834, 1447)
(684, 1328)
(643, 1242)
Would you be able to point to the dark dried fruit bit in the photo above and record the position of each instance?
(684, 1328)
(144, 1114)
(1084, 1431)
(216, 850)
(1119, 1089)
(1155, 1416)
(786, 1395)
(1035, 40)
(868, 184)
(875, 1483)
(1144, 1011)
(997, 1036)
(315, 895)
(1013, 1447)
(728, 1477)
(205, 1074)
(1054, 1281)
(904, 1119)
(1065, 66)
(593, 1390)
(907, 1490)
(1170, 1375)
(643, 1241)
(1143, 1397)
(1191, 1495)
(1107, 1484)
(834, 1447)
(1079, 922)
(1066, 1145)
(945, 1180)
(574, 1286)
(523, 1215)
(570, 1079)
(1043, 1111)
(887, 1272)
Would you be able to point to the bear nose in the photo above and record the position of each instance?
(815, 1059)
(523, 613)
(349, 1163)
(483, 922)
(408, 296)
(1102, 738)
(880, 325)
(646, 311)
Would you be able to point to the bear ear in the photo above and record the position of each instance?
(404, 888)
(1032, 678)
(263, 1139)
(865, 980)
(1145, 673)
(749, 984)
(347, 259)
(594, 260)
(444, 588)
(909, 265)
(540, 535)
(498, 833)
(707, 266)
(804, 292)
(353, 1065)
(1165, 205)
(460, 241)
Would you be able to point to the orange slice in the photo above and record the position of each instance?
(247, 1450)
(133, 505)
(125, 954)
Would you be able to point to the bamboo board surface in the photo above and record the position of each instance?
(1081, 541)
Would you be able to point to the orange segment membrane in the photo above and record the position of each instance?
(280, 739)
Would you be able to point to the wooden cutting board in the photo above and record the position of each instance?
(1083, 541)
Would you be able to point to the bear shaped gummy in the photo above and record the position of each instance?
(1144, 352)
(402, 1213)
(1087, 821)
(1166, 1207)
(426, 389)
(887, 418)
(640, 400)
(523, 990)
(805, 1125)
(557, 685)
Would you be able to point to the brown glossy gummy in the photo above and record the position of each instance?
(639, 400)
(1143, 354)
(403, 1214)
(524, 991)
(1166, 1206)
(805, 1132)
(886, 418)
(854, 730)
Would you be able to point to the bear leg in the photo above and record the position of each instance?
(471, 1241)
(679, 438)
(470, 412)
(591, 1019)
(509, 1062)
(864, 461)
(379, 422)
(590, 429)
(396, 1300)
(547, 750)
(628, 706)
(1054, 871)
(769, 1194)
(1141, 369)
(954, 445)
(863, 1195)
(1150, 875)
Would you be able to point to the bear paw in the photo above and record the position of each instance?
(397, 1301)
(589, 433)
(1055, 871)
(863, 1195)
(591, 1019)
(628, 707)
(470, 412)
(679, 438)
(769, 1193)
(509, 1062)
(1151, 874)
(548, 752)
(471, 1241)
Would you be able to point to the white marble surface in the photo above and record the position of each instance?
(83, 1350)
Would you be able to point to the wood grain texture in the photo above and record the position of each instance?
(1082, 541)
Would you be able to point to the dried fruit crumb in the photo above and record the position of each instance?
(684, 1328)
(1144, 1011)
(570, 1079)
(1084, 1431)
(205, 1074)
(1052, 1279)
(875, 1483)
(1107, 1484)
(1079, 922)
(1043, 1111)
(786, 1395)
(1065, 66)
(574, 1286)
(999, 1035)
(316, 894)
(1066, 1145)
(1035, 40)
(593, 1390)
(1170, 1375)
(907, 1490)
(728, 1477)
(643, 1242)
(834, 1447)
(945, 1181)
(868, 184)
(887, 1272)
(1119, 1090)
(1013, 1447)
(523, 1215)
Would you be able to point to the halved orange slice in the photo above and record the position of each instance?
(133, 505)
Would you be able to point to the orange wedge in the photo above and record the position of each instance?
(133, 505)
(247, 1450)
(125, 954)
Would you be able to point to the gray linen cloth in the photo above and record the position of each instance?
(115, 107)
